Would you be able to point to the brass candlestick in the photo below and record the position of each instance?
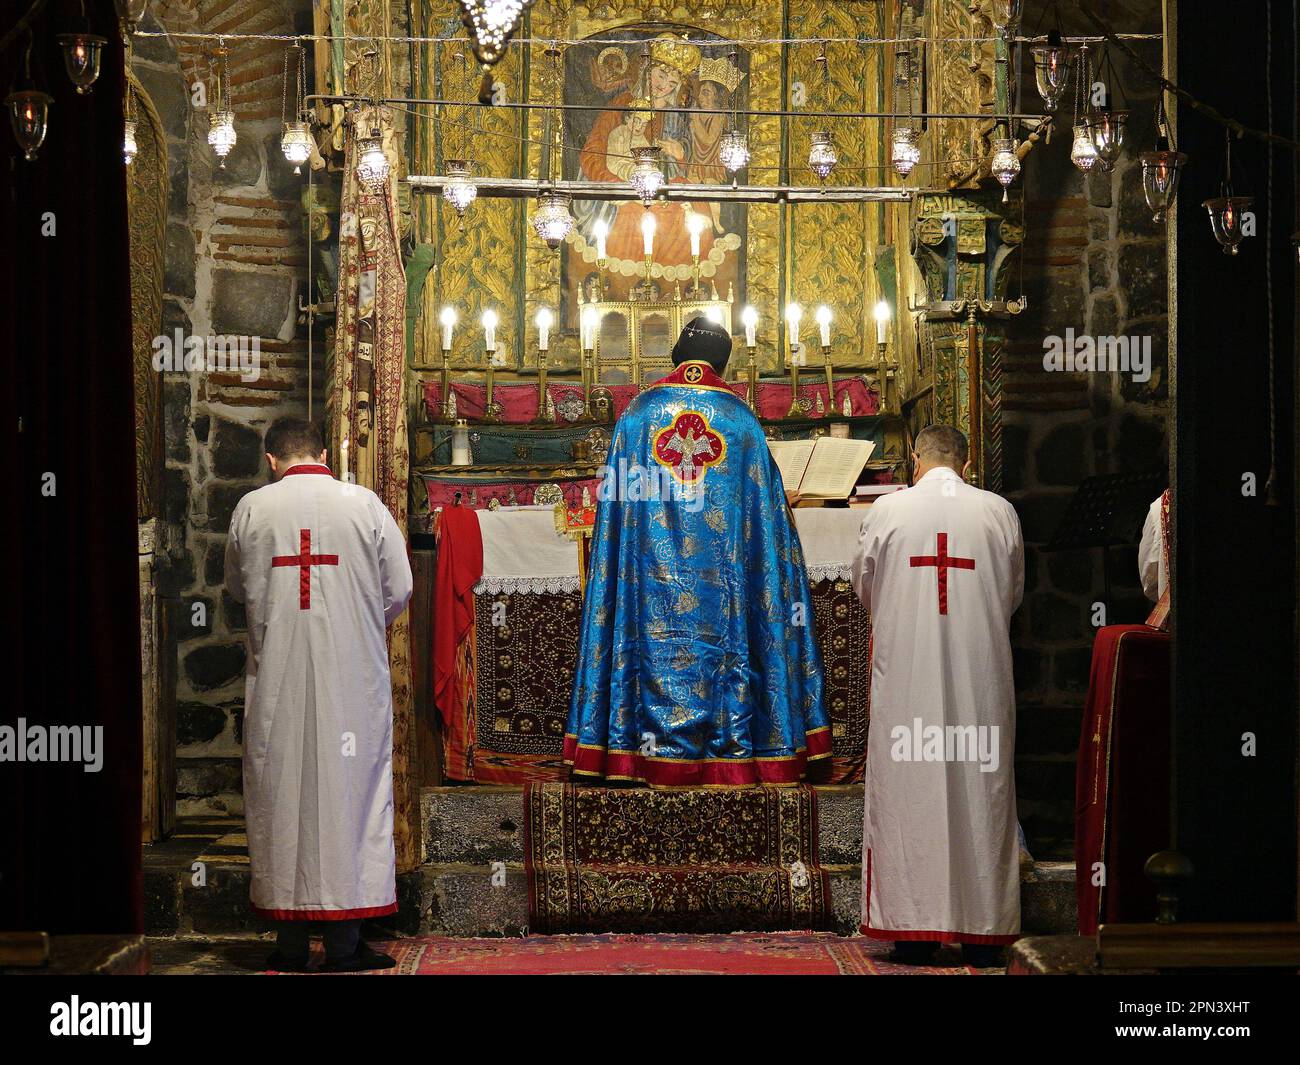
(491, 411)
(588, 413)
(444, 408)
(751, 368)
(795, 411)
(830, 380)
(541, 384)
(600, 280)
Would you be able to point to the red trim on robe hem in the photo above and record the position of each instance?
(325, 915)
(307, 467)
(974, 938)
(587, 761)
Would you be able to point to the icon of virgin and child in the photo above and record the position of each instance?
(658, 89)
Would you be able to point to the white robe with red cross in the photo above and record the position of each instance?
(322, 568)
(940, 565)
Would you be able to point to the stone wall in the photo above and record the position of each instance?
(1093, 261)
(235, 265)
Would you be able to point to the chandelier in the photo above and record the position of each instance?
(459, 189)
(221, 123)
(1005, 164)
(491, 23)
(733, 152)
(821, 154)
(904, 151)
(646, 177)
(552, 220)
(372, 163)
(295, 140)
(221, 134)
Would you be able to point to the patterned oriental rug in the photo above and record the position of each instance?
(778, 954)
(510, 727)
(696, 860)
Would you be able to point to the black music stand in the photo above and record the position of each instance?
(1108, 511)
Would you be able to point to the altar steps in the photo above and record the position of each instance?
(472, 881)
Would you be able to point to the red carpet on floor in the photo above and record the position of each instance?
(778, 953)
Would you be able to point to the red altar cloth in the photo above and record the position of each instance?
(519, 399)
(460, 565)
(1122, 775)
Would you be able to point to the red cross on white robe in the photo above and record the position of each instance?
(942, 562)
(304, 560)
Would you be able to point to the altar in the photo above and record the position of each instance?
(506, 721)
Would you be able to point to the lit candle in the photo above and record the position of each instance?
(695, 225)
(587, 328)
(882, 314)
(490, 329)
(793, 313)
(448, 319)
(543, 329)
(648, 233)
(343, 462)
(824, 320)
(750, 317)
(600, 231)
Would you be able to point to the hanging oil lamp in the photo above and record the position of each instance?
(372, 164)
(821, 154)
(1160, 169)
(81, 56)
(1005, 163)
(295, 136)
(1051, 69)
(221, 123)
(1227, 210)
(29, 112)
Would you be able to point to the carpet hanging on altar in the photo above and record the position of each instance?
(695, 860)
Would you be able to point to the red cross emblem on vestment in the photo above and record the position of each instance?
(688, 447)
(304, 560)
(943, 562)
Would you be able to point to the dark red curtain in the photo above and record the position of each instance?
(70, 841)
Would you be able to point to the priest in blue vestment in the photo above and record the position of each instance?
(698, 664)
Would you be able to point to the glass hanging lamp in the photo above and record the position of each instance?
(821, 154)
(221, 122)
(81, 56)
(1005, 163)
(1051, 69)
(552, 220)
(1227, 211)
(647, 177)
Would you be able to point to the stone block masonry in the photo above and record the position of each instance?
(236, 264)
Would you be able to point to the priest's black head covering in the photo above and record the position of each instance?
(702, 339)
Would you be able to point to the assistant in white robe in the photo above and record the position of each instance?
(323, 569)
(941, 567)
(1152, 563)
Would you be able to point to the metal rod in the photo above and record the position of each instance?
(344, 98)
(525, 188)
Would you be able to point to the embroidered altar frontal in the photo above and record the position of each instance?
(622, 859)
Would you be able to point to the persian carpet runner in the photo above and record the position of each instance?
(771, 954)
(695, 860)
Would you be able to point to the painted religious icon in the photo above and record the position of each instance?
(656, 89)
